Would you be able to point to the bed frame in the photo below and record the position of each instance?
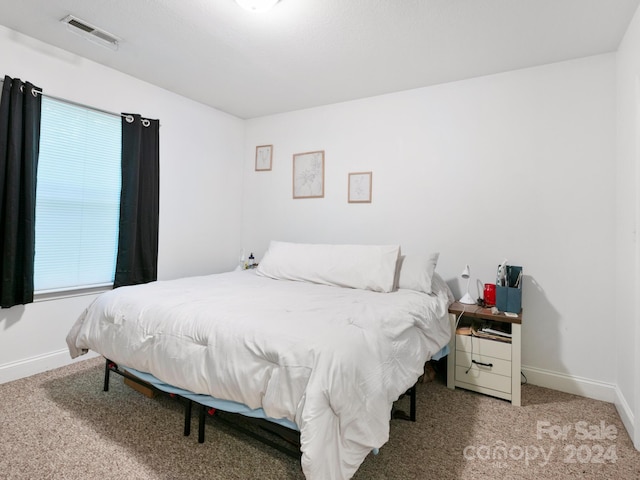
(289, 433)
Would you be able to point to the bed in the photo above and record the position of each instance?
(324, 337)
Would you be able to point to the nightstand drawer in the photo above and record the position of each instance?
(483, 346)
(481, 378)
(497, 366)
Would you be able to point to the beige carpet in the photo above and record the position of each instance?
(61, 425)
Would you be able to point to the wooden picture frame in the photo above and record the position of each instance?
(308, 175)
(264, 157)
(360, 184)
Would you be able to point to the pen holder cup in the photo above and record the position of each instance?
(509, 298)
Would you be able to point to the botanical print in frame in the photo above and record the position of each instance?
(308, 175)
(264, 156)
(360, 187)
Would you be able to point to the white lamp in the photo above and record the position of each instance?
(257, 5)
(466, 273)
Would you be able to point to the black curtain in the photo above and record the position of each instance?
(137, 260)
(20, 108)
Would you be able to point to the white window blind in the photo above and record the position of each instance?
(77, 197)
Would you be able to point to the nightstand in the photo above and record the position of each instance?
(483, 364)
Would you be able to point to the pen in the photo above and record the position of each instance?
(518, 279)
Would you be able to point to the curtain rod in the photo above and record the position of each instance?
(82, 105)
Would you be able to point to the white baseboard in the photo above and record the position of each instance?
(626, 414)
(38, 364)
(570, 384)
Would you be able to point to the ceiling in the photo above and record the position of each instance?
(305, 53)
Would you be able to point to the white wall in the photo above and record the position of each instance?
(517, 165)
(628, 222)
(200, 188)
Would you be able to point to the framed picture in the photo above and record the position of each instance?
(264, 155)
(308, 175)
(360, 187)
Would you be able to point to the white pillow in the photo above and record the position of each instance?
(439, 285)
(416, 272)
(368, 267)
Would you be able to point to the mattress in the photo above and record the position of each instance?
(331, 360)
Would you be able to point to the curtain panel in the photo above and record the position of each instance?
(20, 109)
(137, 259)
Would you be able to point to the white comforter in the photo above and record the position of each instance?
(331, 359)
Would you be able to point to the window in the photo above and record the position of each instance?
(77, 197)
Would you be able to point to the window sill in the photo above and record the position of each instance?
(47, 295)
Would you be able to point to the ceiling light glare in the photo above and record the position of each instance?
(257, 5)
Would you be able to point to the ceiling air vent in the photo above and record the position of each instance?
(90, 32)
